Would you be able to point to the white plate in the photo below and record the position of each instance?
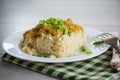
(11, 46)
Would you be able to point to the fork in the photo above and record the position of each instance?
(112, 40)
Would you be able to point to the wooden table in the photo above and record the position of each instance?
(103, 15)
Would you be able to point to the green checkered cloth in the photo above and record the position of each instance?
(97, 68)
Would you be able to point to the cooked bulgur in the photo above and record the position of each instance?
(54, 37)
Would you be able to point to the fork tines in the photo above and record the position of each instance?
(104, 35)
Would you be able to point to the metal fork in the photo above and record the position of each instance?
(112, 40)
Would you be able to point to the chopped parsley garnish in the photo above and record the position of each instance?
(60, 26)
(98, 42)
(46, 55)
(65, 32)
(53, 22)
(70, 31)
(85, 50)
(88, 52)
(57, 25)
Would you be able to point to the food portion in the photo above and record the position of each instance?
(54, 38)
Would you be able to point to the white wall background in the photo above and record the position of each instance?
(85, 12)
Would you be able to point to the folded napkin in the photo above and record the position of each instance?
(97, 68)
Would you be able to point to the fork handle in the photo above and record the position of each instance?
(116, 48)
(114, 54)
(115, 61)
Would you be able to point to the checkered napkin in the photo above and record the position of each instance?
(97, 68)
